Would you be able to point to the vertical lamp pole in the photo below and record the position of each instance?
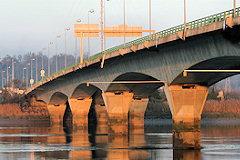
(234, 10)
(91, 11)
(75, 50)
(185, 25)
(104, 24)
(150, 19)
(124, 23)
(37, 67)
(27, 76)
(67, 29)
(58, 36)
(7, 75)
(32, 71)
(49, 58)
(42, 62)
(13, 72)
(2, 79)
(78, 21)
(24, 73)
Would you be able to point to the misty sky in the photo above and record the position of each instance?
(29, 25)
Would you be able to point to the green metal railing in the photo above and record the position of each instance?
(174, 30)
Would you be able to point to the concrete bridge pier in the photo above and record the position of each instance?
(56, 113)
(80, 108)
(118, 104)
(186, 103)
(136, 113)
(102, 119)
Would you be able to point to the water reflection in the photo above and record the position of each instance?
(153, 142)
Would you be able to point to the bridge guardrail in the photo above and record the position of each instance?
(174, 30)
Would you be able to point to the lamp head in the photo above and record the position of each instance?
(79, 20)
(91, 11)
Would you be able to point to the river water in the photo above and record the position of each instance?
(220, 139)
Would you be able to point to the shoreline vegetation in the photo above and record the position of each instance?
(157, 109)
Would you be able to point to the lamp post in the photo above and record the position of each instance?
(50, 43)
(90, 11)
(42, 63)
(32, 81)
(23, 73)
(124, 23)
(150, 19)
(79, 20)
(67, 29)
(13, 69)
(13, 73)
(234, 10)
(37, 67)
(2, 79)
(58, 36)
(7, 75)
(27, 76)
(185, 25)
(104, 20)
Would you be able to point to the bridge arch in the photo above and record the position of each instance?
(139, 89)
(208, 79)
(58, 98)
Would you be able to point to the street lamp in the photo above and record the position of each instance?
(23, 73)
(7, 75)
(42, 64)
(50, 43)
(234, 10)
(185, 25)
(104, 26)
(32, 80)
(36, 67)
(58, 36)
(150, 19)
(67, 29)
(13, 62)
(90, 11)
(78, 21)
(2, 79)
(124, 27)
(27, 76)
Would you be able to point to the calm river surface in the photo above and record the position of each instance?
(220, 139)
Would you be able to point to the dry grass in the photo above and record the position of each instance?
(13, 111)
(228, 106)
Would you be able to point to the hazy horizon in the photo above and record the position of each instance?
(28, 26)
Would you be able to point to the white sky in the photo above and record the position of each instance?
(28, 25)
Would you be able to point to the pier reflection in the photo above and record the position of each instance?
(155, 142)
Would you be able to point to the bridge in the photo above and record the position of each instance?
(119, 81)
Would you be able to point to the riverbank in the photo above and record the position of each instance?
(229, 109)
(15, 112)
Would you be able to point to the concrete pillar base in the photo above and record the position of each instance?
(118, 105)
(56, 113)
(80, 109)
(186, 104)
(136, 112)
